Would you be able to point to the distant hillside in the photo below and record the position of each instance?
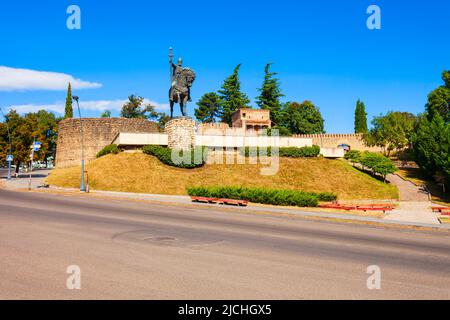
(145, 174)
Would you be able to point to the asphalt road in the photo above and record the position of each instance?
(138, 250)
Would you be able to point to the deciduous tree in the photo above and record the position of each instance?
(391, 131)
(106, 114)
(42, 126)
(134, 108)
(303, 118)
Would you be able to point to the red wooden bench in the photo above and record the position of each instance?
(241, 203)
(204, 200)
(441, 209)
(383, 205)
(336, 206)
(365, 208)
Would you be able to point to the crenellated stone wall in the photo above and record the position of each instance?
(181, 133)
(355, 141)
(98, 133)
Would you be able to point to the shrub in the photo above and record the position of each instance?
(186, 159)
(290, 152)
(327, 196)
(264, 196)
(112, 148)
(376, 162)
(353, 156)
(384, 167)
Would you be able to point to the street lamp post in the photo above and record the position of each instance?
(82, 187)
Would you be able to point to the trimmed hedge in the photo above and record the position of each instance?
(264, 196)
(185, 161)
(112, 148)
(289, 152)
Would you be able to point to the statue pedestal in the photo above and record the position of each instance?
(181, 133)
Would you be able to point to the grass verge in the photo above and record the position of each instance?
(142, 173)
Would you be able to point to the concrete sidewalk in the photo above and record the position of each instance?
(23, 180)
(417, 211)
(415, 204)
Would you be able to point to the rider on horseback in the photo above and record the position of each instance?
(181, 83)
(177, 78)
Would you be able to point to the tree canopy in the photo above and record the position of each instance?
(209, 108)
(69, 109)
(270, 94)
(439, 100)
(106, 114)
(303, 118)
(391, 131)
(431, 139)
(42, 126)
(231, 96)
(360, 117)
(431, 143)
(134, 108)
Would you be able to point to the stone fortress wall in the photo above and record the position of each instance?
(332, 140)
(98, 133)
(220, 129)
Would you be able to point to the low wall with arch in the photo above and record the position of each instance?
(333, 140)
(98, 133)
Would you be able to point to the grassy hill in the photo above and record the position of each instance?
(145, 174)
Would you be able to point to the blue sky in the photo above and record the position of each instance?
(322, 50)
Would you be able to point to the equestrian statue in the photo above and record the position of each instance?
(181, 83)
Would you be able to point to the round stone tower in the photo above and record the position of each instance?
(181, 133)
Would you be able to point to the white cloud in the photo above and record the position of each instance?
(95, 105)
(116, 105)
(27, 108)
(12, 79)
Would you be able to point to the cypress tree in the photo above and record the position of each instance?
(69, 110)
(360, 118)
(269, 98)
(232, 97)
(363, 119)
